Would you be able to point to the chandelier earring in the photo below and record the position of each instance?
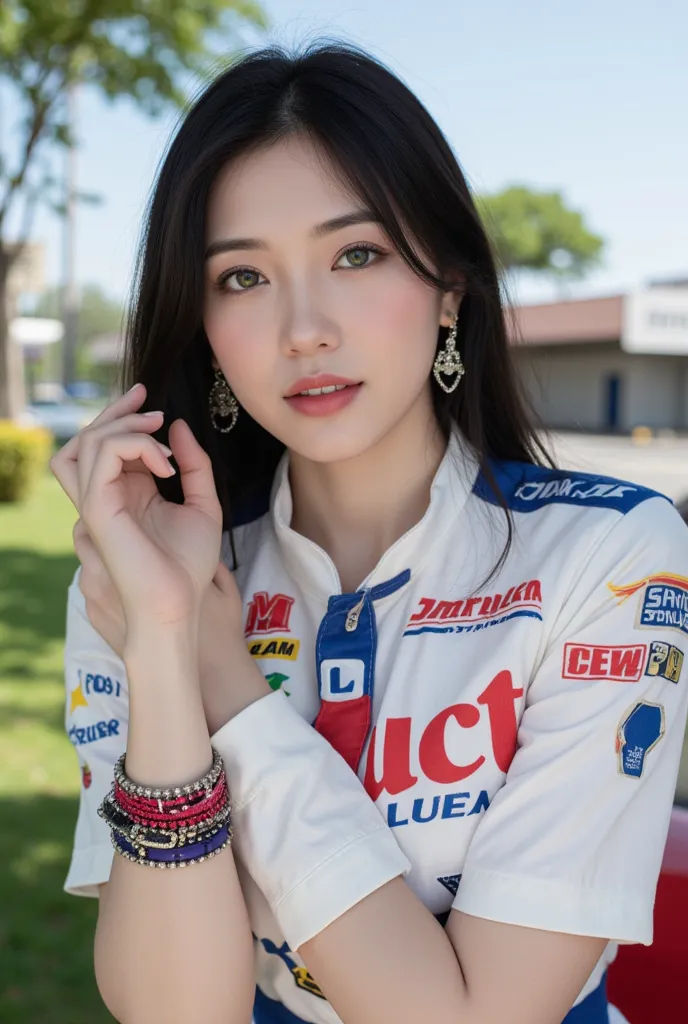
(222, 403)
(448, 361)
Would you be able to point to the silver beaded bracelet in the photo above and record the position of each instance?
(207, 782)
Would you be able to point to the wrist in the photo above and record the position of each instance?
(230, 687)
(163, 652)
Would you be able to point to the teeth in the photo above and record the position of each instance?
(324, 391)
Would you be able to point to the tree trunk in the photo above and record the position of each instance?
(12, 399)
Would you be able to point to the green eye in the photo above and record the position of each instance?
(245, 279)
(357, 257)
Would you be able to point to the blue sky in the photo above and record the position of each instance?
(589, 98)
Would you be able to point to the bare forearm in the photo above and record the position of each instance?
(172, 945)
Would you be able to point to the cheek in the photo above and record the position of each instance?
(236, 335)
(403, 323)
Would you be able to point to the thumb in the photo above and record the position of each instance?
(195, 470)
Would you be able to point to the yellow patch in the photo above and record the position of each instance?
(275, 647)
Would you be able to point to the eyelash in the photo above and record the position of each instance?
(361, 246)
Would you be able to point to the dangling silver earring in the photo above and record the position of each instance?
(222, 403)
(448, 360)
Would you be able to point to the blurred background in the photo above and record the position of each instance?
(569, 122)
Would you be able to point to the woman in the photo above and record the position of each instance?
(444, 677)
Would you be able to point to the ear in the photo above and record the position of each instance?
(451, 302)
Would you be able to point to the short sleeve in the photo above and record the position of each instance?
(573, 842)
(96, 713)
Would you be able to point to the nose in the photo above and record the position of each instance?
(306, 327)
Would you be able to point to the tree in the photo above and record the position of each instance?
(536, 231)
(142, 49)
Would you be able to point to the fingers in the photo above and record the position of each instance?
(100, 500)
(195, 471)
(129, 402)
(93, 437)
(74, 466)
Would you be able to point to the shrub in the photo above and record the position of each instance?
(24, 455)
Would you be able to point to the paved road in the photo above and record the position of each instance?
(661, 463)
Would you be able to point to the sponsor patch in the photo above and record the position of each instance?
(662, 601)
(303, 979)
(450, 882)
(96, 683)
(473, 613)
(86, 776)
(665, 661)
(277, 647)
(276, 679)
(574, 489)
(80, 735)
(442, 805)
(597, 662)
(528, 488)
(268, 613)
(639, 731)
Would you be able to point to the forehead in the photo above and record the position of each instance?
(289, 183)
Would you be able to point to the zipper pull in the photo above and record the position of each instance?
(353, 616)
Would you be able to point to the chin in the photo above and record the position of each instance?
(326, 443)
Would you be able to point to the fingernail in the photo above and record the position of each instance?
(157, 412)
(167, 451)
(131, 390)
(171, 470)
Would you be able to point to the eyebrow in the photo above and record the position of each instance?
(319, 231)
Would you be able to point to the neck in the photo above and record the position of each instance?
(357, 508)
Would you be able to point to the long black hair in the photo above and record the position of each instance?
(394, 157)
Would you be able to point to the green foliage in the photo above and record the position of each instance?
(24, 454)
(147, 50)
(97, 314)
(536, 231)
(136, 48)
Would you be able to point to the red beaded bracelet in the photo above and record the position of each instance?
(144, 805)
(179, 819)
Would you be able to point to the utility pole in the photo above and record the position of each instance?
(70, 301)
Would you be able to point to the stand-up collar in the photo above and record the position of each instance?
(313, 568)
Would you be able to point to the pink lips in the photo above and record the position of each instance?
(322, 405)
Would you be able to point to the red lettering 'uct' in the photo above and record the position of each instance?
(499, 697)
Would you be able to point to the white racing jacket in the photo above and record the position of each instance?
(526, 728)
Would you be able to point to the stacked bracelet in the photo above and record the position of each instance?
(169, 827)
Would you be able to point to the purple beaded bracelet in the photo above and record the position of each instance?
(194, 853)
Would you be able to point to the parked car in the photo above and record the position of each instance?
(86, 391)
(62, 419)
(648, 983)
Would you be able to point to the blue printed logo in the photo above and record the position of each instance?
(342, 678)
(80, 735)
(639, 731)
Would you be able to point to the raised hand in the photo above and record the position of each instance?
(220, 631)
(159, 555)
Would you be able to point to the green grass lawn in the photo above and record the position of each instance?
(46, 937)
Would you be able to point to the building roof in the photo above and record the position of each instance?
(572, 321)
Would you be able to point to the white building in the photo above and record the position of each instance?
(608, 364)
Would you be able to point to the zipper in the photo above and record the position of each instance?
(353, 615)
